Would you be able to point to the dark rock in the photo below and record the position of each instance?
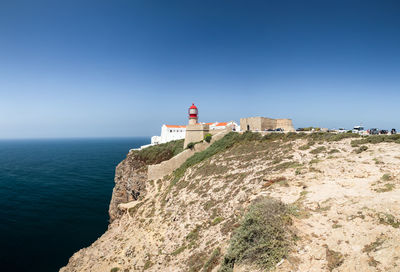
(130, 183)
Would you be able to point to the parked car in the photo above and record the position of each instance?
(383, 131)
(341, 130)
(300, 129)
(358, 129)
(279, 129)
(373, 131)
(393, 131)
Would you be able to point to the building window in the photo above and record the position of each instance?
(170, 130)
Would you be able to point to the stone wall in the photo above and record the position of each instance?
(285, 124)
(267, 123)
(160, 170)
(264, 123)
(195, 133)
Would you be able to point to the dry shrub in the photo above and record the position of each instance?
(263, 237)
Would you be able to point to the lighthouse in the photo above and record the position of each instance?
(195, 131)
(193, 114)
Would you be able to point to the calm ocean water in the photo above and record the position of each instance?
(54, 197)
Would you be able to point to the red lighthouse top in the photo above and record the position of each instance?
(193, 112)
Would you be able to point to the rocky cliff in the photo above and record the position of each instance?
(131, 173)
(292, 202)
(130, 181)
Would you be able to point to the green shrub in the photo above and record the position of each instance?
(208, 138)
(386, 177)
(361, 149)
(190, 145)
(115, 269)
(263, 237)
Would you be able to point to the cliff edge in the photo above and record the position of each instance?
(282, 202)
(130, 181)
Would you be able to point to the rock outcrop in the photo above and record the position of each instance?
(130, 183)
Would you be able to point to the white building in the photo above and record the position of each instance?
(169, 133)
(175, 132)
(223, 125)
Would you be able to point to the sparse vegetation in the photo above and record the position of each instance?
(212, 261)
(233, 139)
(178, 250)
(386, 177)
(377, 161)
(114, 269)
(263, 237)
(386, 188)
(216, 221)
(388, 219)
(195, 261)
(307, 146)
(361, 149)
(194, 234)
(148, 264)
(315, 161)
(318, 150)
(332, 151)
(159, 153)
(334, 258)
(374, 245)
(297, 208)
(375, 139)
(286, 165)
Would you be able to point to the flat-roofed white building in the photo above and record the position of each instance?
(223, 125)
(169, 133)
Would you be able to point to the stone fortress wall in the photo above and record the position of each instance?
(158, 171)
(264, 123)
(195, 133)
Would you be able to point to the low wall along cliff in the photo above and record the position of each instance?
(160, 170)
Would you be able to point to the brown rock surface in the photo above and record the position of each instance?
(130, 180)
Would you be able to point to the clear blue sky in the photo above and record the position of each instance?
(123, 68)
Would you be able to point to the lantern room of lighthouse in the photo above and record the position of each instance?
(193, 114)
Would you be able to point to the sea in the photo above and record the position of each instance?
(54, 198)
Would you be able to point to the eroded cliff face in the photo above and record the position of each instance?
(347, 219)
(130, 183)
